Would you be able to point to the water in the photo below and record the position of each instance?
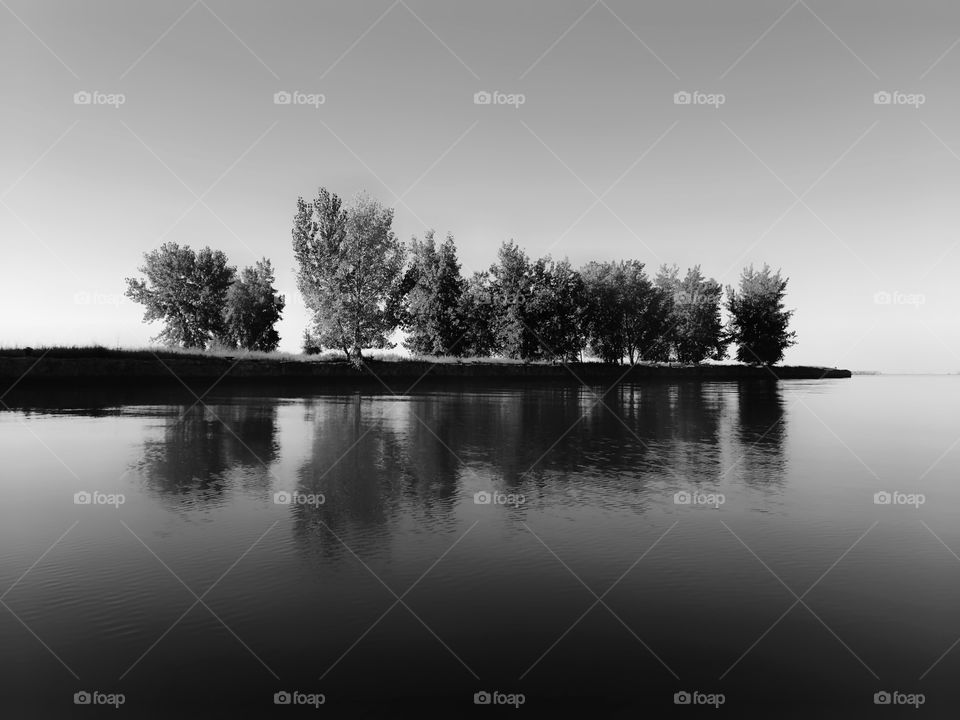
(591, 590)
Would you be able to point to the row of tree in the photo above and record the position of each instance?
(360, 284)
(203, 300)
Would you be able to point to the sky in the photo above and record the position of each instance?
(818, 137)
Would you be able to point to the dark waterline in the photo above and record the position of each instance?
(496, 588)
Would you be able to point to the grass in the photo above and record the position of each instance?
(99, 362)
(327, 356)
(99, 351)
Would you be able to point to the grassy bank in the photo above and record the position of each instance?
(99, 365)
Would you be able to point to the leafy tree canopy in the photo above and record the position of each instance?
(185, 289)
(758, 319)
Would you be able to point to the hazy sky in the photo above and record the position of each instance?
(799, 166)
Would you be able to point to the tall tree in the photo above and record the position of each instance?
(431, 289)
(477, 311)
(349, 260)
(537, 306)
(626, 315)
(187, 290)
(319, 232)
(667, 283)
(758, 319)
(604, 305)
(449, 287)
(554, 310)
(253, 308)
(511, 288)
(649, 330)
(696, 328)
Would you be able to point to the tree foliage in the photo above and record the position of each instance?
(758, 319)
(537, 306)
(185, 289)
(625, 314)
(253, 308)
(476, 311)
(696, 328)
(358, 289)
(309, 343)
(555, 309)
(427, 301)
(348, 262)
(510, 288)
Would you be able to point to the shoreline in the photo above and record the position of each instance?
(32, 370)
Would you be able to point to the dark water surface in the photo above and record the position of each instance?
(592, 591)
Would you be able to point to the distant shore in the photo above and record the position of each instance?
(120, 367)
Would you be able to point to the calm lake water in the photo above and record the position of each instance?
(387, 588)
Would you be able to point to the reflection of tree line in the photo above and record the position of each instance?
(354, 462)
(202, 448)
(373, 457)
(761, 430)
